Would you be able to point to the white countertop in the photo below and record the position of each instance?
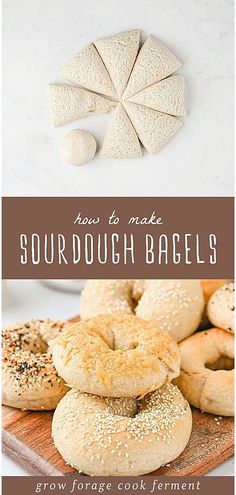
(27, 299)
(40, 37)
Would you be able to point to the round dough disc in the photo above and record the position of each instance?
(77, 147)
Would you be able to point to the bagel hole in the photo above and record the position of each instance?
(223, 363)
(123, 407)
(124, 346)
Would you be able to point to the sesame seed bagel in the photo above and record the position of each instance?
(115, 356)
(221, 306)
(207, 379)
(121, 437)
(176, 305)
(29, 378)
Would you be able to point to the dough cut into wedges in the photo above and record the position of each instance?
(88, 70)
(121, 140)
(68, 103)
(154, 62)
(154, 128)
(164, 96)
(118, 53)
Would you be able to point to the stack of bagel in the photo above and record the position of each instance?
(122, 378)
(122, 416)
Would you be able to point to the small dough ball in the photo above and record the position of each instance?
(78, 147)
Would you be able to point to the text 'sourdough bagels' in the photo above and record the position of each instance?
(176, 305)
(29, 378)
(115, 356)
(221, 307)
(121, 437)
(207, 379)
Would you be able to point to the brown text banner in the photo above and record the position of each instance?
(117, 238)
(117, 485)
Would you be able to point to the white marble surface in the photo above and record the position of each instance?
(41, 35)
(29, 299)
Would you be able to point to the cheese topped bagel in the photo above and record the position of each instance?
(115, 356)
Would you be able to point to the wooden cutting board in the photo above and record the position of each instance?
(27, 439)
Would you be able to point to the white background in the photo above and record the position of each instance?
(26, 299)
(39, 38)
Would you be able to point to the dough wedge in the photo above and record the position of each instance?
(164, 96)
(88, 70)
(154, 128)
(69, 103)
(118, 53)
(121, 140)
(154, 62)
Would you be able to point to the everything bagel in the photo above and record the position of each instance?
(29, 378)
(115, 356)
(221, 307)
(206, 379)
(121, 437)
(176, 305)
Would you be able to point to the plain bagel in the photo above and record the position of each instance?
(207, 379)
(115, 356)
(221, 307)
(121, 437)
(176, 305)
(29, 378)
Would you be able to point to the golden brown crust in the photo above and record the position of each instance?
(206, 379)
(115, 356)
